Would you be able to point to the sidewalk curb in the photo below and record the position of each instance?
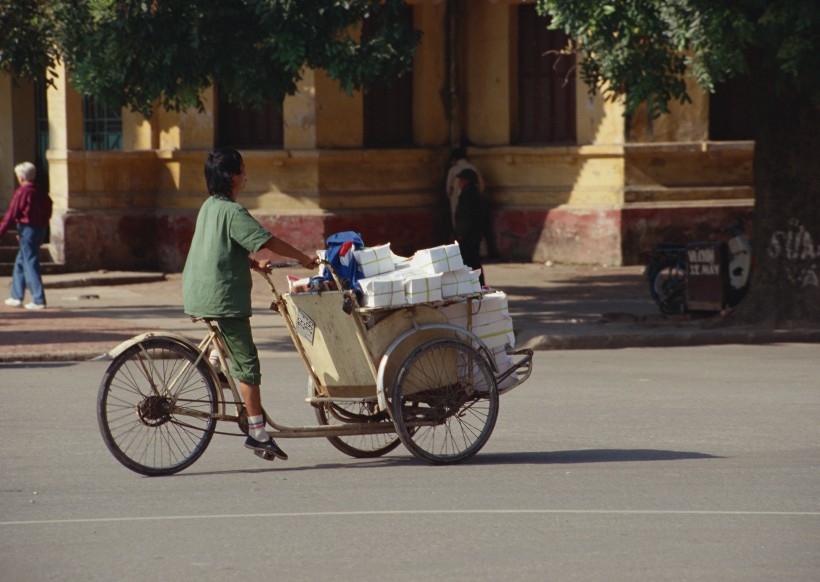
(677, 338)
(40, 358)
(69, 280)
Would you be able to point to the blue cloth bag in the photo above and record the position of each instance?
(339, 253)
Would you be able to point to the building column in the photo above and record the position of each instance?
(339, 116)
(486, 78)
(65, 131)
(299, 114)
(139, 133)
(430, 123)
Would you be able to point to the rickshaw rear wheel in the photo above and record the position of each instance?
(357, 446)
(445, 402)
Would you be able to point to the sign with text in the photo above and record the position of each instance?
(305, 326)
(705, 277)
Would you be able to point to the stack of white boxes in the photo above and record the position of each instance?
(431, 275)
(491, 322)
(381, 286)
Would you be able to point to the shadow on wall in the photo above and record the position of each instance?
(644, 228)
(561, 235)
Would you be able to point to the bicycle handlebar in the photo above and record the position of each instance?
(284, 265)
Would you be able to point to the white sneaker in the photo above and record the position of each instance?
(35, 306)
(13, 302)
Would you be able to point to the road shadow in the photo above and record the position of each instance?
(526, 458)
(586, 456)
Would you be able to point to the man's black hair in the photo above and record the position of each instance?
(458, 154)
(220, 168)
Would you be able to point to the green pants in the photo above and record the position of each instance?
(236, 333)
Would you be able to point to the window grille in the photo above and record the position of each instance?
(102, 125)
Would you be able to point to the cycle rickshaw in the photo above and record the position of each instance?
(378, 378)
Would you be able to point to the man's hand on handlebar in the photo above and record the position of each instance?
(311, 262)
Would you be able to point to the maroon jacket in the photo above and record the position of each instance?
(28, 206)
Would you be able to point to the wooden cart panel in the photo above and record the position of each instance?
(344, 363)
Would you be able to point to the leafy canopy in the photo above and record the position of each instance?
(141, 53)
(641, 49)
(26, 38)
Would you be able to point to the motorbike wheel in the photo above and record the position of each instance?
(667, 285)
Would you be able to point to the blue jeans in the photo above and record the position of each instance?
(27, 266)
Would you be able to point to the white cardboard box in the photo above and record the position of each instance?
(439, 259)
(383, 290)
(504, 361)
(421, 287)
(496, 334)
(297, 283)
(491, 307)
(460, 282)
(374, 261)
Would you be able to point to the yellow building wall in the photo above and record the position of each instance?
(323, 178)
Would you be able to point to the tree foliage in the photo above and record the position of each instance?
(26, 38)
(642, 49)
(141, 53)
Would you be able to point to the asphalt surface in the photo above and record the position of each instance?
(664, 465)
(553, 307)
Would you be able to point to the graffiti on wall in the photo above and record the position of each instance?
(800, 255)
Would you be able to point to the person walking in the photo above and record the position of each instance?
(30, 209)
(458, 163)
(216, 281)
(469, 220)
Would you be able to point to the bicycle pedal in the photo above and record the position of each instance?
(265, 455)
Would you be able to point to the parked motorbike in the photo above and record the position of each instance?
(670, 268)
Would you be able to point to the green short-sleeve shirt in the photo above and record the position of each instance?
(216, 281)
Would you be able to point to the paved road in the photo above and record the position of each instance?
(697, 463)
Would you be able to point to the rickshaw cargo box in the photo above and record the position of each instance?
(375, 260)
(383, 290)
(489, 308)
(460, 282)
(422, 287)
(440, 259)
